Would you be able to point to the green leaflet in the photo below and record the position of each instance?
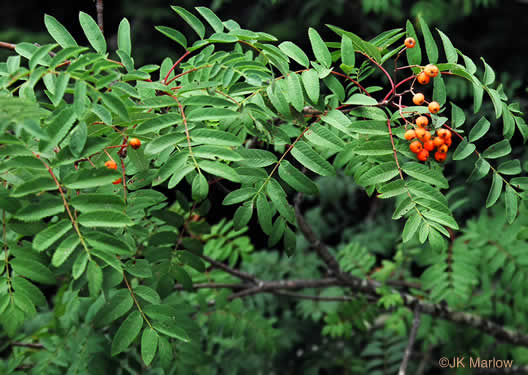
(512, 201)
(414, 55)
(423, 173)
(123, 37)
(33, 270)
(240, 195)
(242, 215)
(219, 169)
(479, 130)
(278, 199)
(411, 226)
(191, 19)
(214, 137)
(94, 274)
(312, 160)
(51, 234)
(495, 190)
(92, 32)
(320, 50)
(90, 178)
(295, 53)
(107, 243)
(378, 174)
(149, 345)
(171, 329)
(430, 44)
(58, 32)
(264, 214)
(463, 150)
(497, 150)
(339, 121)
(65, 249)
(296, 179)
(310, 80)
(173, 34)
(211, 18)
(450, 51)
(104, 219)
(348, 54)
(295, 93)
(127, 332)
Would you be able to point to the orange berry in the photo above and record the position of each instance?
(416, 146)
(431, 70)
(410, 134)
(422, 155)
(418, 99)
(437, 141)
(443, 148)
(410, 42)
(135, 143)
(118, 181)
(427, 136)
(434, 107)
(420, 132)
(429, 145)
(110, 164)
(423, 78)
(422, 121)
(443, 133)
(440, 156)
(448, 141)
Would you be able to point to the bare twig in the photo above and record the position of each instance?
(28, 345)
(99, 7)
(232, 271)
(410, 343)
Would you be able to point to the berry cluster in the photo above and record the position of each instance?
(425, 142)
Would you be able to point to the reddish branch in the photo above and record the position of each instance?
(7, 45)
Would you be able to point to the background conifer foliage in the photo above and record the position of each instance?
(246, 204)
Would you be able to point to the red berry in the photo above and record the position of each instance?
(416, 146)
(118, 181)
(135, 143)
(423, 155)
(440, 156)
(429, 145)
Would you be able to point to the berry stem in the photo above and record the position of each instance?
(393, 90)
(351, 80)
(175, 65)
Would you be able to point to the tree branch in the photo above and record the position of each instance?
(438, 310)
(408, 349)
(240, 274)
